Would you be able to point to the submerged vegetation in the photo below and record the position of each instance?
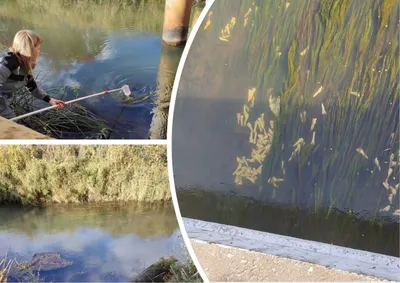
(328, 74)
(71, 121)
(165, 270)
(75, 174)
(169, 270)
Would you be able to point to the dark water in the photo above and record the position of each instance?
(112, 242)
(293, 114)
(93, 47)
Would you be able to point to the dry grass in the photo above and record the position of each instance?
(4, 267)
(74, 174)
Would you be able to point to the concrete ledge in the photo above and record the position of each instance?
(346, 259)
(12, 131)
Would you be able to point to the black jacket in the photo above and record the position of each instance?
(13, 77)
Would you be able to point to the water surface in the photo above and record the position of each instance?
(108, 242)
(89, 48)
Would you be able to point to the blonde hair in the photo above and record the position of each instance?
(25, 41)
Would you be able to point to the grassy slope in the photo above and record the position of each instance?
(44, 174)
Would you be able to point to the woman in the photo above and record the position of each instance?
(16, 72)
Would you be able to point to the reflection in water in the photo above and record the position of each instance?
(105, 242)
(169, 61)
(93, 47)
(295, 105)
(340, 228)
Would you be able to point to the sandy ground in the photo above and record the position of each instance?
(11, 131)
(227, 264)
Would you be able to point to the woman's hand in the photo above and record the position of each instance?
(60, 104)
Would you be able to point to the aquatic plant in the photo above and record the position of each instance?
(4, 267)
(73, 174)
(169, 269)
(72, 121)
(185, 272)
(324, 74)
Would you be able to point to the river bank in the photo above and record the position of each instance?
(164, 270)
(41, 174)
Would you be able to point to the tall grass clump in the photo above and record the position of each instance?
(76, 174)
(70, 122)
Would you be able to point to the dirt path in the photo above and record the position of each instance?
(228, 264)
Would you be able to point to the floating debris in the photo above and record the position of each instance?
(263, 140)
(361, 151)
(313, 123)
(251, 138)
(386, 185)
(208, 22)
(396, 212)
(318, 91)
(391, 162)
(300, 142)
(393, 190)
(355, 93)
(239, 117)
(226, 32)
(250, 97)
(390, 171)
(302, 53)
(387, 208)
(323, 109)
(303, 116)
(274, 181)
(376, 161)
(283, 167)
(391, 138)
(246, 17)
(275, 104)
(313, 139)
